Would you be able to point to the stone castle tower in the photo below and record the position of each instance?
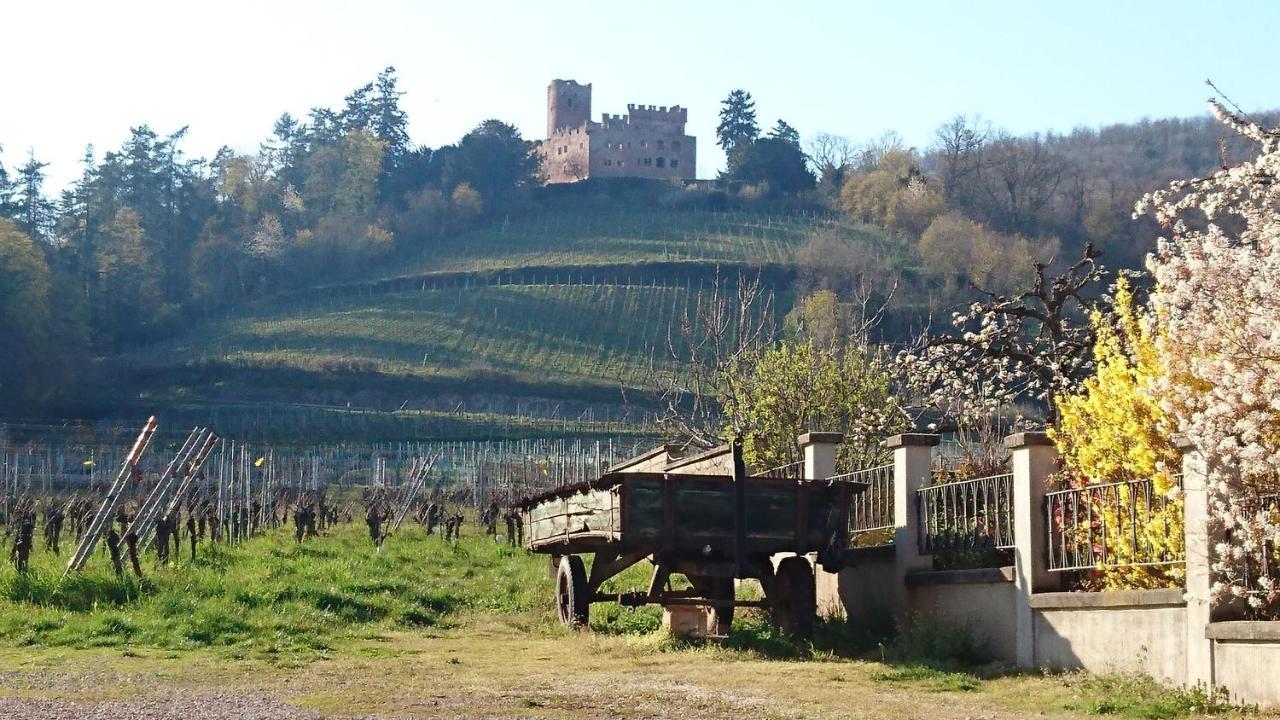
(647, 142)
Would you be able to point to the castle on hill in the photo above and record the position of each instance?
(647, 142)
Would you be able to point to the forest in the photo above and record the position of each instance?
(148, 239)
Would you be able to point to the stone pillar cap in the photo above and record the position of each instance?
(820, 438)
(911, 440)
(1028, 439)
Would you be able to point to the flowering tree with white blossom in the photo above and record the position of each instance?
(1005, 354)
(1217, 271)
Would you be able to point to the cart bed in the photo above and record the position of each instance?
(687, 514)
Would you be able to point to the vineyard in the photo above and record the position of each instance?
(275, 550)
(581, 334)
(522, 327)
(618, 237)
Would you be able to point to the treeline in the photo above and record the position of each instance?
(146, 234)
(977, 207)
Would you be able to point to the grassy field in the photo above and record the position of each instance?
(432, 629)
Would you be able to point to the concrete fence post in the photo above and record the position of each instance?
(912, 466)
(1033, 462)
(820, 453)
(1198, 546)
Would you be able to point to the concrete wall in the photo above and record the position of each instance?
(1246, 660)
(1017, 614)
(861, 590)
(1125, 631)
(982, 601)
(655, 460)
(716, 461)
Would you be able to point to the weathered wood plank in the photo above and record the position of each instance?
(702, 513)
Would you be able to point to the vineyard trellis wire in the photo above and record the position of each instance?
(233, 490)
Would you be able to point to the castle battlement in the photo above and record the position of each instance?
(649, 141)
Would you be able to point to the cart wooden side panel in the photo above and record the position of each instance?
(695, 514)
(685, 514)
(593, 514)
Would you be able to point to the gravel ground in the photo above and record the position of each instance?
(201, 706)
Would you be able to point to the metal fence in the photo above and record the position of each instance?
(971, 516)
(1261, 567)
(871, 509)
(1115, 524)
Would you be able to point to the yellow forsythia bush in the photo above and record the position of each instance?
(1113, 430)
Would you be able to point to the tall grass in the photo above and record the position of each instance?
(275, 598)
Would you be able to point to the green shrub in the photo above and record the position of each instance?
(1138, 696)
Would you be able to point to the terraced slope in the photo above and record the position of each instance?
(547, 317)
(620, 237)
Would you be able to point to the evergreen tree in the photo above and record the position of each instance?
(493, 159)
(387, 120)
(737, 121)
(777, 162)
(784, 132)
(24, 319)
(128, 294)
(34, 214)
(6, 191)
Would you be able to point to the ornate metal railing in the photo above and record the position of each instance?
(871, 509)
(1111, 525)
(967, 521)
(1261, 567)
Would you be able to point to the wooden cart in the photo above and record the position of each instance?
(709, 528)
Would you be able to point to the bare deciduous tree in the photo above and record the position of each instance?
(958, 146)
(830, 156)
(725, 326)
(1019, 178)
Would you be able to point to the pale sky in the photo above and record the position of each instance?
(84, 72)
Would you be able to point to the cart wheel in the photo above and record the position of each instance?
(794, 602)
(572, 595)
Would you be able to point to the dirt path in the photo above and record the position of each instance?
(491, 671)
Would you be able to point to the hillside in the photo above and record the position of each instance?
(529, 321)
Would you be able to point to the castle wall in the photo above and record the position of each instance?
(566, 155)
(647, 142)
(621, 150)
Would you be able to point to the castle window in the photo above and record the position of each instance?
(619, 163)
(661, 162)
(648, 161)
(644, 143)
(608, 162)
(674, 163)
(661, 145)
